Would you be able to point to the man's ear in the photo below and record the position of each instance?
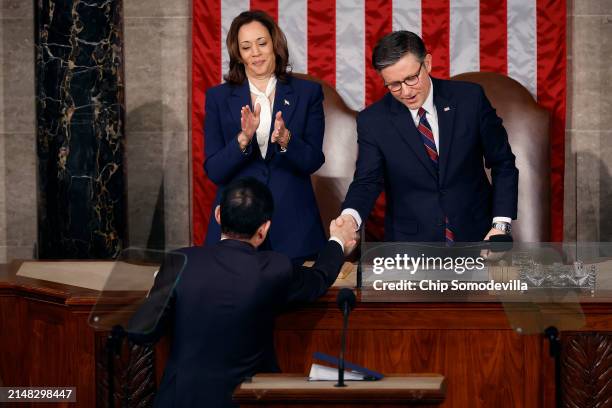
(264, 228)
(428, 61)
(218, 214)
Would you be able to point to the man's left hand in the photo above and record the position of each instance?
(493, 231)
(488, 254)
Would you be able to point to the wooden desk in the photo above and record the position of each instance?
(46, 340)
(287, 390)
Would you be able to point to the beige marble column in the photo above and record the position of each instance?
(588, 177)
(158, 72)
(17, 131)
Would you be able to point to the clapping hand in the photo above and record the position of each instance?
(249, 121)
(280, 134)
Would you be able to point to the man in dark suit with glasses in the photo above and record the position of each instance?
(425, 143)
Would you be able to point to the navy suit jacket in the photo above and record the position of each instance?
(296, 225)
(392, 156)
(223, 309)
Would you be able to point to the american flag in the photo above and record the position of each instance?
(333, 40)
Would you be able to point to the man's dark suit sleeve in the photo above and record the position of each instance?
(500, 159)
(368, 181)
(151, 320)
(309, 283)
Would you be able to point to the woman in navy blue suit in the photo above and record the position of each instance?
(264, 123)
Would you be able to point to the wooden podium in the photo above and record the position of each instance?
(294, 390)
(48, 342)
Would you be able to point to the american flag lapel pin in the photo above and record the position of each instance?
(446, 109)
(287, 102)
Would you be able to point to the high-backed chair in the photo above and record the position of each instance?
(527, 124)
(528, 131)
(332, 180)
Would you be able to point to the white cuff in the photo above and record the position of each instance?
(502, 219)
(353, 213)
(339, 241)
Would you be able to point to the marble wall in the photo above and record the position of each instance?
(17, 131)
(157, 72)
(588, 177)
(80, 122)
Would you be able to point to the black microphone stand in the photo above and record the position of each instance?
(552, 334)
(113, 348)
(345, 312)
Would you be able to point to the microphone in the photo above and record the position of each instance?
(346, 298)
(346, 302)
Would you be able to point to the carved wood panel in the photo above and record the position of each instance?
(134, 375)
(586, 370)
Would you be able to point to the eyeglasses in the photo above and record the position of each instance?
(411, 80)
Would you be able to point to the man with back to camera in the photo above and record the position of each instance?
(225, 301)
(429, 157)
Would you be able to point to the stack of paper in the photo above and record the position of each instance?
(324, 373)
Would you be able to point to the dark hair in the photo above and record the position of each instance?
(236, 73)
(245, 205)
(394, 46)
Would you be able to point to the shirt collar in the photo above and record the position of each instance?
(236, 243)
(269, 88)
(428, 105)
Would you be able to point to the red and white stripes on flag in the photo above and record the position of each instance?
(333, 40)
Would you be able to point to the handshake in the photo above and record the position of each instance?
(344, 228)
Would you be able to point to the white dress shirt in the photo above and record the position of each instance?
(266, 102)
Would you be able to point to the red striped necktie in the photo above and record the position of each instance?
(427, 137)
(430, 147)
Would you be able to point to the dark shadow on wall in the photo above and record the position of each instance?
(605, 200)
(593, 225)
(146, 169)
(157, 233)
